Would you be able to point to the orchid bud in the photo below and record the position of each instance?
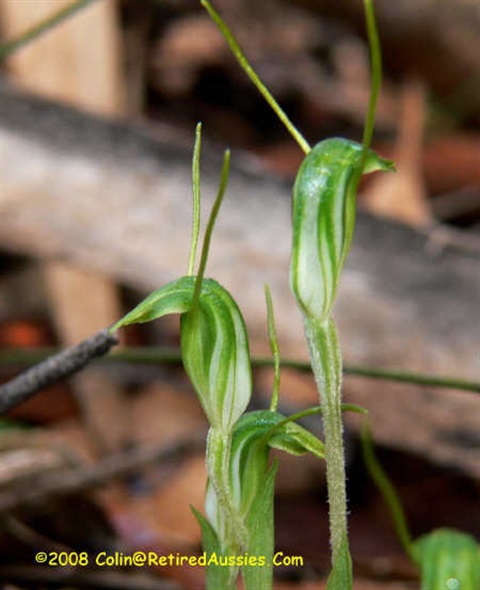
(324, 218)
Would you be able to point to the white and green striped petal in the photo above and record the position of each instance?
(323, 219)
(216, 355)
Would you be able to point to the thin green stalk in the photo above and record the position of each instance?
(272, 336)
(6, 49)
(387, 490)
(152, 354)
(326, 361)
(413, 378)
(376, 73)
(210, 225)
(247, 68)
(375, 85)
(196, 198)
(218, 460)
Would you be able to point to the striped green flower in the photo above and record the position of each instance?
(250, 484)
(324, 218)
(253, 437)
(216, 355)
(215, 348)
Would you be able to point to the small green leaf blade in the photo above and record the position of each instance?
(260, 523)
(341, 577)
(217, 576)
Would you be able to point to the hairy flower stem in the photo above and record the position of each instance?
(326, 362)
(234, 534)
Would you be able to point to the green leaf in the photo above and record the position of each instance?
(272, 337)
(260, 523)
(209, 536)
(340, 577)
(218, 577)
(196, 198)
(449, 560)
(386, 489)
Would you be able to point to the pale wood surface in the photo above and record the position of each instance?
(78, 63)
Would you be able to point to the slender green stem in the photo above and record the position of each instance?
(152, 354)
(387, 490)
(247, 68)
(413, 378)
(6, 49)
(272, 336)
(326, 361)
(234, 532)
(196, 198)
(375, 85)
(210, 225)
(229, 526)
(376, 73)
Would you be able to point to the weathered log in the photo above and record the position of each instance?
(116, 198)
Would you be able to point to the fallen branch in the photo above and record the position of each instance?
(53, 369)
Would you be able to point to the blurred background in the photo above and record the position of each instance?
(98, 120)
